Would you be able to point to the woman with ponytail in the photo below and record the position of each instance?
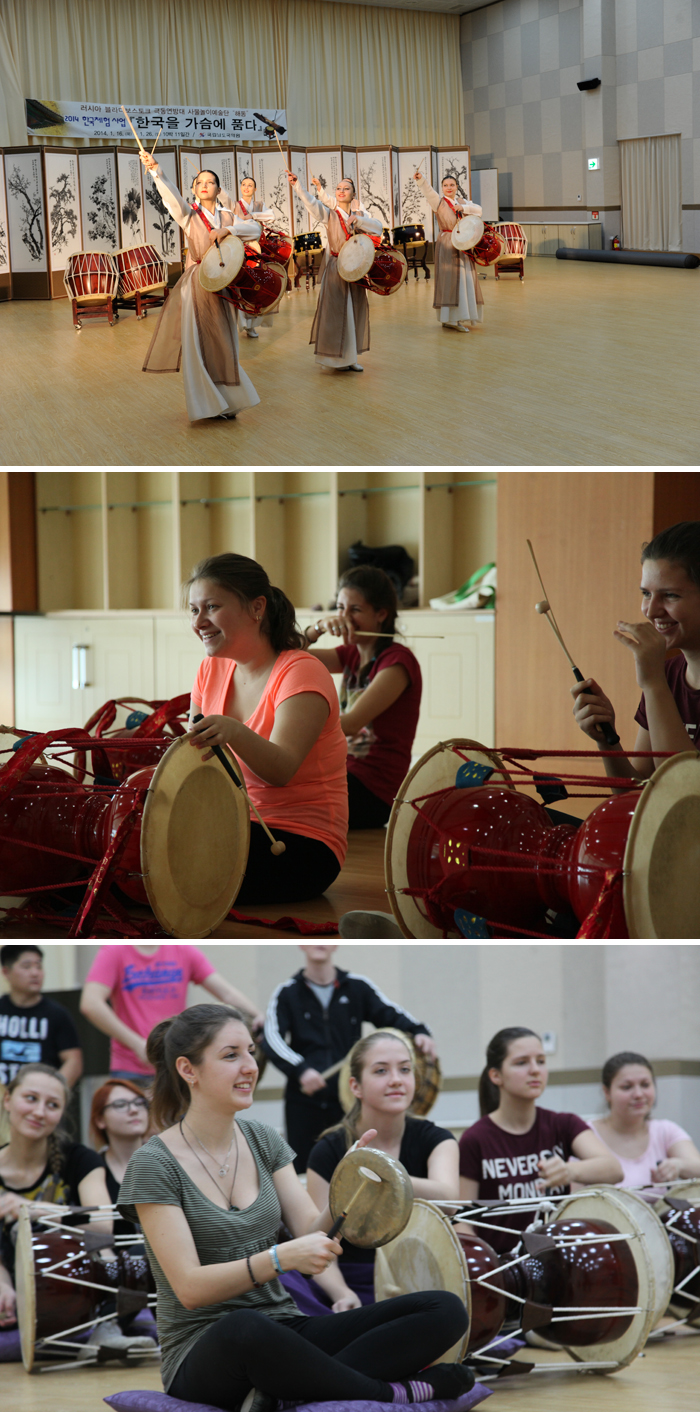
(382, 1082)
(41, 1166)
(518, 1150)
(209, 1193)
(277, 709)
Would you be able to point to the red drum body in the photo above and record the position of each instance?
(679, 1212)
(489, 248)
(598, 1275)
(91, 274)
(488, 1307)
(258, 286)
(140, 268)
(275, 245)
(388, 271)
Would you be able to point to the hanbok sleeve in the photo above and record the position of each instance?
(317, 209)
(246, 229)
(175, 203)
(429, 193)
(469, 208)
(368, 223)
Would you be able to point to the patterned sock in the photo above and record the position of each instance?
(412, 1391)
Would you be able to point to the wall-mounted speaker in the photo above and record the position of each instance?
(588, 83)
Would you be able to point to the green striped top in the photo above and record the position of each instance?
(154, 1175)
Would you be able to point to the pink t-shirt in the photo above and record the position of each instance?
(145, 990)
(315, 802)
(637, 1171)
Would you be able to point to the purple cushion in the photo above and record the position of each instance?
(10, 1351)
(161, 1402)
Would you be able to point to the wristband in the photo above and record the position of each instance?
(276, 1260)
(256, 1283)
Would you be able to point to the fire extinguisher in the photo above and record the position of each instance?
(615, 243)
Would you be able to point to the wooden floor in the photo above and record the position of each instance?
(360, 885)
(582, 364)
(664, 1379)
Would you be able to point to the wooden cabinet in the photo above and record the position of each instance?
(545, 239)
(574, 236)
(156, 656)
(67, 666)
(126, 540)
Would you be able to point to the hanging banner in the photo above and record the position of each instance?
(49, 117)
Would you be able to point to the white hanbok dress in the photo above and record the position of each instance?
(325, 212)
(453, 268)
(204, 397)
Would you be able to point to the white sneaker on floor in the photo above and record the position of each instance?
(370, 926)
(109, 1335)
(252, 332)
(352, 368)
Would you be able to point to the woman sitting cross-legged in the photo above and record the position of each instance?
(209, 1193)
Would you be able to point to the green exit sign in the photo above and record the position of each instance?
(593, 164)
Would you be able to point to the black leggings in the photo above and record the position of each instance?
(305, 869)
(351, 1356)
(367, 810)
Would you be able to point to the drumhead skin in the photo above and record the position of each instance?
(657, 1244)
(195, 836)
(356, 257)
(427, 1072)
(467, 232)
(661, 872)
(437, 769)
(426, 1256)
(212, 276)
(25, 1286)
(606, 1204)
(380, 1212)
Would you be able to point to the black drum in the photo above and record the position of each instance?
(311, 240)
(408, 235)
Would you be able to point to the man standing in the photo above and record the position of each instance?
(34, 1030)
(130, 989)
(312, 1021)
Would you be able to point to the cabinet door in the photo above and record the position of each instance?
(574, 236)
(120, 659)
(44, 698)
(458, 676)
(178, 654)
(550, 240)
(595, 236)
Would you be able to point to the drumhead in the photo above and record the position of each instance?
(467, 232)
(657, 1244)
(437, 769)
(427, 1255)
(380, 1212)
(212, 276)
(195, 836)
(356, 258)
(661, 868)
(25, 1286)
(428, 1075)
(607, 1204)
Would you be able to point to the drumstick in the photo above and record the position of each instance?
(334, 1069)
(278, 846)
(435, 636)
(133, 129)
(609, 735)
(367, 1176)
(155, 144)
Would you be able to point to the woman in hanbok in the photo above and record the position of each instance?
(457, 296)
(248, 208)
(197, 329)
(340, 330)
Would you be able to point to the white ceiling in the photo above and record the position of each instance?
(437, 7)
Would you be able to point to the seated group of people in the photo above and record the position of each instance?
(209, 1188)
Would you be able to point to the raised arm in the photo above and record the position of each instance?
(428, 191)
(175, 203)
(317, 209)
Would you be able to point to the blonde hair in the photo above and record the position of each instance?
(358, 1059)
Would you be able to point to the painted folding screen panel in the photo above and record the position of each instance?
(4, 241)
(223, 162)
(413, 207)
(99, 200)
(131, 212)
(326, 163)
(26, 212)
(189, 164)
(244, 164)
(270, 172)
(376, 184)
(300, 215)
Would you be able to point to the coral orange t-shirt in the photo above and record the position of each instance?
(315, 802)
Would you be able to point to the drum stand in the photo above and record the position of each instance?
(142, 302)
(89, 309)
(309, 268)
(413, 260)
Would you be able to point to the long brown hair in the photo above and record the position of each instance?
(248, 580)
(100, 1099)
(489, 1093)
(57, 1140)
(186, 1035)
(358, 1059)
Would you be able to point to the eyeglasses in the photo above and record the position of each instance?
(121, 1104)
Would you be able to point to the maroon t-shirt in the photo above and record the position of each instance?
(505, 1164)
(686, 698)
(380, 754)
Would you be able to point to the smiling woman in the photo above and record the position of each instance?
(210, 1192)
(277, 710)
(651, 1150)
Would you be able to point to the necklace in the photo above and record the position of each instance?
(222, 1170)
